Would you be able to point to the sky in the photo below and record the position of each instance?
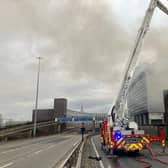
(85, 45)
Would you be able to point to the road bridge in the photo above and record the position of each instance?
(43, 152)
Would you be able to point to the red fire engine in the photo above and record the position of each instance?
(128, 139)
(117, 132)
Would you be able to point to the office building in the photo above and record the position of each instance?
(145, 98)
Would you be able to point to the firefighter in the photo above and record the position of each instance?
(82, 130)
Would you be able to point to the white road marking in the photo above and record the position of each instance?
(17, 148)
(97, 154)
(7, 165)
(75, 143)
(37, 152)
(8, 151)
(50, 146)
(65, 159)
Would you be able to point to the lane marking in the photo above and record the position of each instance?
(52, 146)
(67, 157)
(8, 151)
(37, 152)
(7, 165)
(29, 144)
(49, 147)
(97, 154)
(19, 148)
(75, 143)
(79, 160)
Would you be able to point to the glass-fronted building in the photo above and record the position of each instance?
(145, 97)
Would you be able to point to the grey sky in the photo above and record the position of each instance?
(85, 45)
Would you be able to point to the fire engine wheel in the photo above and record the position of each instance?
(136, 152)
(102, 146)
(118, 152)
(115, 152)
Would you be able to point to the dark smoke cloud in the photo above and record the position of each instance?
(79, 40)
(83, 36)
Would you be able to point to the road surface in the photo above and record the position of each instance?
(45, 152)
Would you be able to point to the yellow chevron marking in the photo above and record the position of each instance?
(133, 147)
(140, 145)
(145, 139)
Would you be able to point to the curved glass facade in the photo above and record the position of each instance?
(137, 99)
(145, 96)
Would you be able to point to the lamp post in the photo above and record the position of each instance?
(37, 92)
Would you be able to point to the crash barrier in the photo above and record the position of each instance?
(11, 131)
(74, 158)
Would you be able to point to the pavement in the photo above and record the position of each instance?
(129, 161)
(89, 156)
(43, 152)
(108, 161)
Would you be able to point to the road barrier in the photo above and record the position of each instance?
(74, 158)
(78, 164)
(11, 131)
(69, 161)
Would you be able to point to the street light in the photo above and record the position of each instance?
(37, 92)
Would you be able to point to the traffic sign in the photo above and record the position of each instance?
(74, 119)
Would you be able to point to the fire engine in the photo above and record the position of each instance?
(118, 132)
(124, 136)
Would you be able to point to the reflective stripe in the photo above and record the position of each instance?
(145, 139)
(119, 141)
(111, 144)
(101, 139)
(140, 145)
(163, 143)
(122, 144)
(134, 147)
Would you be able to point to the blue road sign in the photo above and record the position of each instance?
(74, 119)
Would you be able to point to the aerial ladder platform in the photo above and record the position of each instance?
(118, 133)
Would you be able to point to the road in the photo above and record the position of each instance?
(44, 152)
(126, 161)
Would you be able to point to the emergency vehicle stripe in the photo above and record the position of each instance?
(140, 145)
(145, 139)
(133, 146)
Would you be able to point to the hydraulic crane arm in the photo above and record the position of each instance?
(121, 99)
(162, 7)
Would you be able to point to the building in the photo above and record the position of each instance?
(166, 106)
(1, 121)
(145, 98)
(59, 110)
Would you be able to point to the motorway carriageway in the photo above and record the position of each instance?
(126, 161)
(43, 152)
(48, 152)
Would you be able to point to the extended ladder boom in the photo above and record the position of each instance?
(121, 99)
